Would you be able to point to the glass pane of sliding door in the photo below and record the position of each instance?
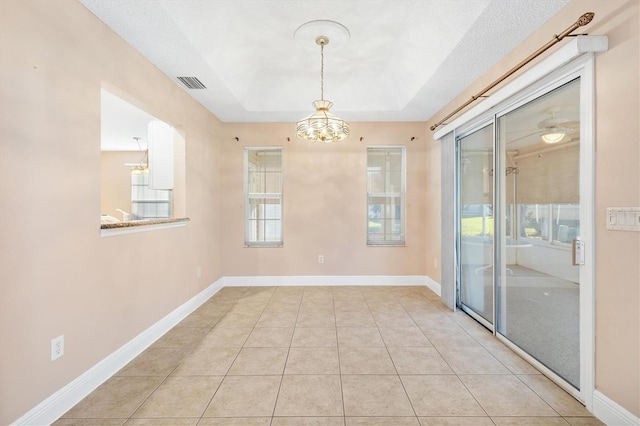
(475, 203)
(537, 287)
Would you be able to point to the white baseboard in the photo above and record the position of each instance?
(611, 413)
(329, 280)
(49, 410)
(433, 286)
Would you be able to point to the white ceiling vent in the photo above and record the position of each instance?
(192, 82)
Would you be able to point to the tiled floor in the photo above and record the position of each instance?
(327, 356)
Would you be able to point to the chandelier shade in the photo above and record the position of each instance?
(322, 125)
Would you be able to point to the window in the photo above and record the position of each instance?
(385, 195)
(146, 203)
(263, 196)
(561, 222)
(535, 221)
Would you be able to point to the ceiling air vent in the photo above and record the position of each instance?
(192, 82)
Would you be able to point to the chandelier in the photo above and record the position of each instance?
(143, 167)
(322, 125)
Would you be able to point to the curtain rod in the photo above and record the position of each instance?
(581, 22)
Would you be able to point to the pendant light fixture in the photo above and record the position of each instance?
(322, 125)
(143, 167)
(554, 135)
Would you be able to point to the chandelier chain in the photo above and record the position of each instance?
(322, 70)
(322, 125)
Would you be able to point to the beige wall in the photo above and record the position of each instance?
(433, 215)
(617, 180)
(57, 275)
(324, 203)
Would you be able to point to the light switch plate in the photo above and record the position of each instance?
(623, 218)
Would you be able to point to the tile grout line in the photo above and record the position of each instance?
(460, 380)
(234, 359)
(131, 416)
(284, 367)
(344, 410)
(394, 364)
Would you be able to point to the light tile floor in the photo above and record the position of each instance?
(327, 356)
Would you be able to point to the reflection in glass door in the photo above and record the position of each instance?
(516, 228)
(475, 153)
(538, 288)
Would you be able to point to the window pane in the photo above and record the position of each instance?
(395, 181)
(395, 156)
(375, 226)
(264, 221)
(375, 179)
(149, 203)
(566, 222)
(534, 221)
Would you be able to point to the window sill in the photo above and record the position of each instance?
(120, 228)
(546, 244)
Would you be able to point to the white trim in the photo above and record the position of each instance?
(49, 410)
(112, 232)
(587, 229)
(611, 413)
(331, 280)
(575, 47)
(433, 286)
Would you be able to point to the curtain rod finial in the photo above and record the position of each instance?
(585, 19)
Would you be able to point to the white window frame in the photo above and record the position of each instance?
(401, 194)
(261, 195)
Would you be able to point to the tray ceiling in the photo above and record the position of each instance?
(403, 62)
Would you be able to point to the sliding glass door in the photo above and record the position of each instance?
(538, 290)
(519, 216)
(476, 159)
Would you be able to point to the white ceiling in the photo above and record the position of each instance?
(121, 123)
(404, 61)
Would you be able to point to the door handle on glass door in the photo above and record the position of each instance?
(577, 252)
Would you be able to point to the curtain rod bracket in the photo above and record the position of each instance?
(581, 22)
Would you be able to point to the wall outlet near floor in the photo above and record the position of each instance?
(435, 262)
(199, 272)
(57, 347)
(320, 258)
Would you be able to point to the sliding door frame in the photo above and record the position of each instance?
(581, 67)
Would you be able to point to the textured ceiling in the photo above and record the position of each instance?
(404, 61)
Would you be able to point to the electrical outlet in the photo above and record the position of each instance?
(435, 262)
(199, 272)
(320, 258)
(57, 347)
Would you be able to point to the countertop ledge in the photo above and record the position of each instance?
(142, 223)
